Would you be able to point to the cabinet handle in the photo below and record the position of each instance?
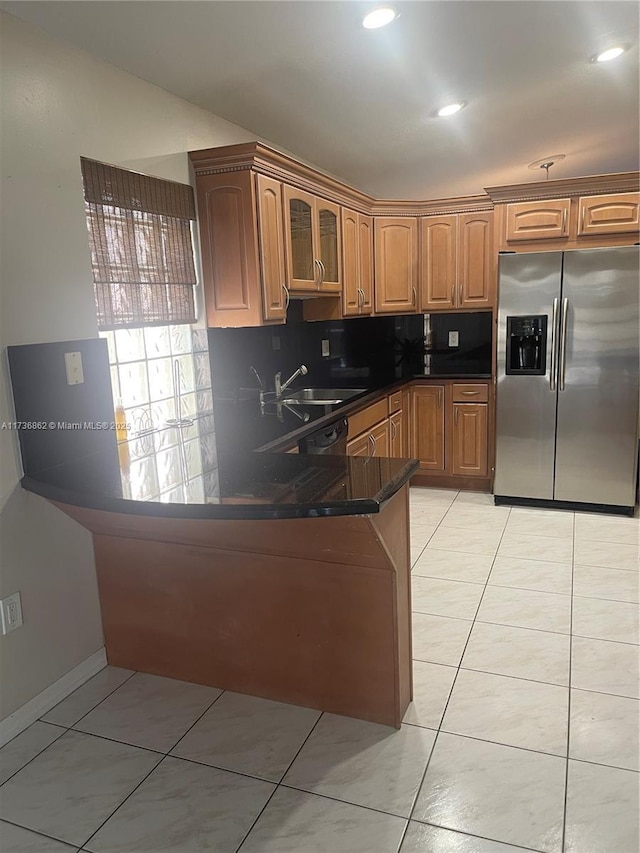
(375, 444)
(364, 297)
(584, 210)
(456, 412)
(322, 273)
(287, 298)
(316, 279)
(453, 293)
(460, 292)
(372, 445)
(414, 297)
(360, 299)
(394, 429)
(469, 393)
(564, 219)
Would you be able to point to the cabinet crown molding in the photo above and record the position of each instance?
(264, 159)
(618, 182)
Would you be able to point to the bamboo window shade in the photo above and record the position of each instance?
(141, 248)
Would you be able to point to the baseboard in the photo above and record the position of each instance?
(56, 692)
(440, 481)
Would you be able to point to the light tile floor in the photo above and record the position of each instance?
(523, 733)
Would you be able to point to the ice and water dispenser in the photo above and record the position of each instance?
(526, 345)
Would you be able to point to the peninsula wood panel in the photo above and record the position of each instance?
(271, 247)
(323, 633)
(427, 426)
(396, 264)
(538, 220)
(609, 214)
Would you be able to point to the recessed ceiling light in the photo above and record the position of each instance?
(607, 55)
(379, 18)
(450, 109)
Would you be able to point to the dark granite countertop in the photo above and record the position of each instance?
(255, 485)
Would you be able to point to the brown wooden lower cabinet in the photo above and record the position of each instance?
(469, 440)
(427, 426)
(450, 433)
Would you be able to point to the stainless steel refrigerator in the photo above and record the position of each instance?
(567, 378)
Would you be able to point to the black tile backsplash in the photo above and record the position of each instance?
(473, 354)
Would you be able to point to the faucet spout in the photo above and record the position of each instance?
(281, 386)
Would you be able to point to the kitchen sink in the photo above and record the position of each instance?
(321, 396)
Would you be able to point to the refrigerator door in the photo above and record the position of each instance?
(597, 431)
(526, 404)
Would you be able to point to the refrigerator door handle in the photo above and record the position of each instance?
(553, 371)
(562, 348)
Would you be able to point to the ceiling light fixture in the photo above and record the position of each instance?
(547, 162)
(379, 18)
(608, 55)
(451, 109)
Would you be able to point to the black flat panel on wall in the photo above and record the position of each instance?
(41, 395)
(473, 354)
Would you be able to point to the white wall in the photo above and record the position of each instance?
(59, 104)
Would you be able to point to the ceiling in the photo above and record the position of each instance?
(359, 103)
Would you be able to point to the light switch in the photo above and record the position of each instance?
(454, 339)
(73, 366)
(325, 348)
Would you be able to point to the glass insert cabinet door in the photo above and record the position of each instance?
(313, 242)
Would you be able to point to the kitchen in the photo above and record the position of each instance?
(63, 256)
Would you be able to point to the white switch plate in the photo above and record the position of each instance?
(325, 348)
(73, 366)
(11, 612)
(454, 339)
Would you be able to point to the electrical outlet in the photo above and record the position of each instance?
(454, 339)
(325, 348)
(275, 342)
(11, 612)
(73, 367)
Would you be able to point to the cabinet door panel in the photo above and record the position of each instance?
(328, 244)
(427, 426)
(469, 440)
(303, 272)
(538, 220)
(350, 263)
(396, 264)
(365, 257)
(475, 260)
(271, 247)
(396, 435)
(360, 446)
(609, 214)
(439, 261)
(380, 436)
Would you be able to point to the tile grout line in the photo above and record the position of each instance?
(453, 684)
(72, 846)
(566, 775)
(155, 767)
(279, 784)
(33, 757)
(93, 707)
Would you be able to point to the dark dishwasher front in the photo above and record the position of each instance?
(331, 438)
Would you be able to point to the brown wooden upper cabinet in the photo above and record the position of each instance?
(609, 214)
(396, 264)
(457, 268)
(312, 235)
(357, 263)
(242, 243)
(538, 220)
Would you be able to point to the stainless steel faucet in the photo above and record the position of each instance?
(281, 386)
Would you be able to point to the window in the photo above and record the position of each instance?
(141, 248)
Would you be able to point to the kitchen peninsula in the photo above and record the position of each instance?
(290, 583)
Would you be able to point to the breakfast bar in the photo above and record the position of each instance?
(293, 584)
